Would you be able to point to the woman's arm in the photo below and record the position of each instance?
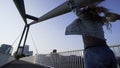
(112, 17)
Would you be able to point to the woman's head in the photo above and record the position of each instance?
(93, 13)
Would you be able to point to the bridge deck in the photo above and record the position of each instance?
(22, 64)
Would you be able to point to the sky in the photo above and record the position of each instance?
(49, 34)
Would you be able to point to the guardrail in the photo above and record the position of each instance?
(69, 59)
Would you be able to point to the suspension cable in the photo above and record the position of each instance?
(16, 39)
(34, 43)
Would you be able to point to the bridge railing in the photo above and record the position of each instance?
(69, 59)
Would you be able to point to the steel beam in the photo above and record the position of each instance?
(21, 40)
(64, 8)
(26, 35)
(31, 17)
(21, 8)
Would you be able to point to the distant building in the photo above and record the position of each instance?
(6, 49)
(26, 51)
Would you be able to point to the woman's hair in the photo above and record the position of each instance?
(93, 13)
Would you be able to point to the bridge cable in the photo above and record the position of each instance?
(16, 39)
(34, 43)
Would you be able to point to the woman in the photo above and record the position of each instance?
(89, 24)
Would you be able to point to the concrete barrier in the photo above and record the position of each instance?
(4, 59)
